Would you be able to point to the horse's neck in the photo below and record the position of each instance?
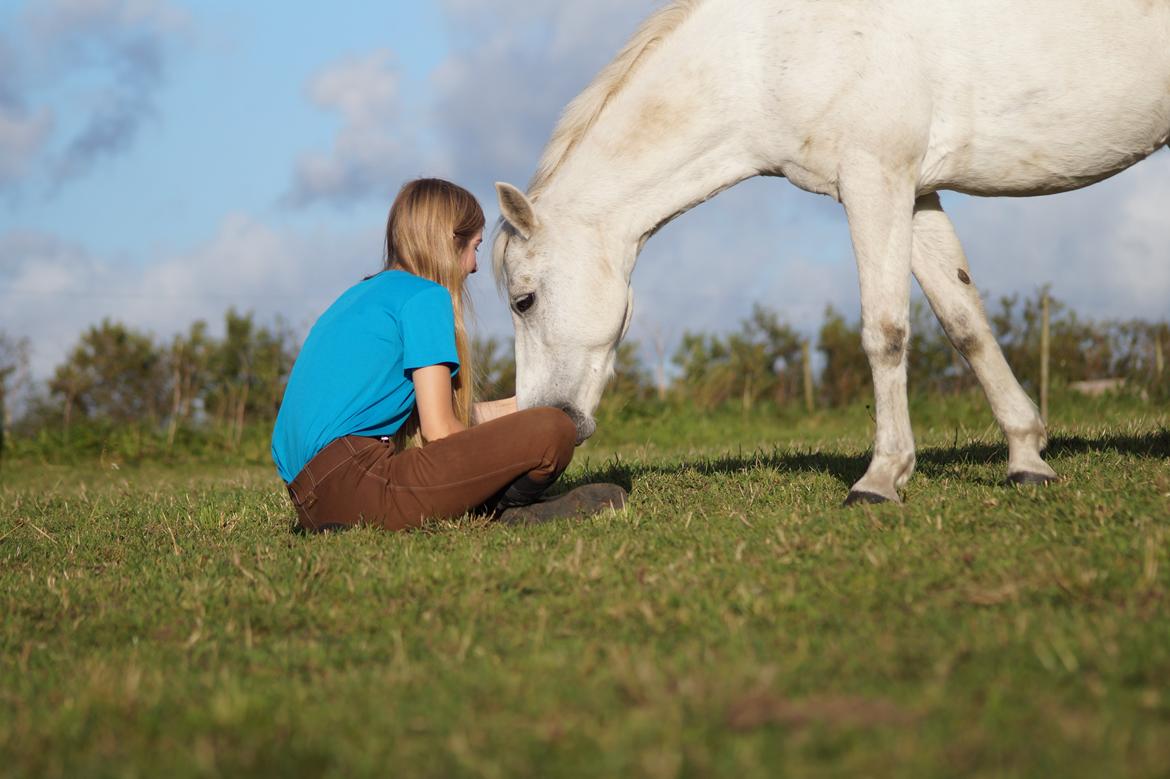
(671, 138)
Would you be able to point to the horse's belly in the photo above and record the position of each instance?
(1020, 167)
(1037, 152)
(1075, 110)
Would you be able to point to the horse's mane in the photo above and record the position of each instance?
(583, 112)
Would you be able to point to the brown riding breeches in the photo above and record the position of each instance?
(363, 481)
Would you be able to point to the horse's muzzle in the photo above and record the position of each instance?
(586, 426)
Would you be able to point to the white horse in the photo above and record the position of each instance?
(877, 103)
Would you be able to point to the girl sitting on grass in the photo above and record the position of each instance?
(378, 424)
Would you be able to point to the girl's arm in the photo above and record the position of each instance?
(432, 392)
(488, 410)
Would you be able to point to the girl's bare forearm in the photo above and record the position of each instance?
(488, 410)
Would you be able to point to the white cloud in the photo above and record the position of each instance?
(50, 290)
(364, 89)
(23, 133)
(1105, 249)
(1139, 271)
(517, 63)
(22, 137)
(705, 271)
(54, 19)
(375, 140)
(110, 55)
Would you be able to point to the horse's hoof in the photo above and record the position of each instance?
(867, 498)
(1028, 477)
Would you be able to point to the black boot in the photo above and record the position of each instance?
(522, 492)
(582, 502)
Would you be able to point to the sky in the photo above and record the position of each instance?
(163, 161)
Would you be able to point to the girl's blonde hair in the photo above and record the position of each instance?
(431, 224)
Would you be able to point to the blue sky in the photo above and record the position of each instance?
(161, 161)
(223, 127)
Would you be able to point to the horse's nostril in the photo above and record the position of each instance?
(585, 426)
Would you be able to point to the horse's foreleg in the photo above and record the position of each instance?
(941, 269)
(880, 208)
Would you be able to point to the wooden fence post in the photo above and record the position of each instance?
(1044, 355)
(3, 420)
(1159, 358)
(806, 367)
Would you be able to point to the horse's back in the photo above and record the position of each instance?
(1044, 96)
(996, 97)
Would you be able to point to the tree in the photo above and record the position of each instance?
(275, 353)
(187, 364)
(700, 357)
(660, 357)
(778, 349)
(114, 374)
(630, 381)
(495, 369)
(1080, 349)
(13, 373)
(846, 375)
(248, 370)
(762, 359)
(934, 364)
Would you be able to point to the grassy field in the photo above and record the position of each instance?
(734, 621)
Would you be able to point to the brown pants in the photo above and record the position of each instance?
(363, 481)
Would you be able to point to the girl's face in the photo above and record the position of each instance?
(468, 259)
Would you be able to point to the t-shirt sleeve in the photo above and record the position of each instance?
(428, 331)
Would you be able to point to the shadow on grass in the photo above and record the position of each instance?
(847, 469)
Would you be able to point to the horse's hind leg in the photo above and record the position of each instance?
(941, 269)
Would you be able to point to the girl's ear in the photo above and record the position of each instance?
(517, 210)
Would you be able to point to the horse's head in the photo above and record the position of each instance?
(569, 291)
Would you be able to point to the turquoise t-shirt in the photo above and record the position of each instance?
(353, 375)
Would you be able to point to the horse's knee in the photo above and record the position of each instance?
(886, 344)
(965, 337)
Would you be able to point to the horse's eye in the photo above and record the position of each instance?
(524, 302)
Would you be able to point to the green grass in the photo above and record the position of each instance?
(734, 621)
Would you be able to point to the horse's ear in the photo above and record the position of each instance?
(517, 210)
